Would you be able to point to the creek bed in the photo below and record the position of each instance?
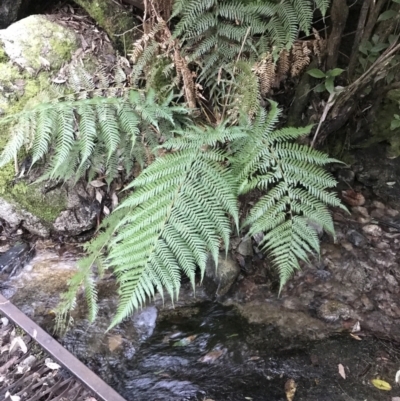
(203, 351)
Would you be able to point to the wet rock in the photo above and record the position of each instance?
(290, 323)
(356, 238)
(218, 281)
(12, 261)
(145, 321)
(245, 247)
(333, 310)
(16, 217)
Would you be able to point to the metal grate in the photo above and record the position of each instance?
(28, 371)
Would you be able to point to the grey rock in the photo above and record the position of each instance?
(15, 217)
(218, 281)
(77, 220)
(356, 238)
(36, 43)
(245, 247)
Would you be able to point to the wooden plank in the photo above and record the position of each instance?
(99, 388)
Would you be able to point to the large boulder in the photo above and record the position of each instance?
(32, 51)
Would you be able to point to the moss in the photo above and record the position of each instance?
(31, 198)
(63, 50)
(3, 55)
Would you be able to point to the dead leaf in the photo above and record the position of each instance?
(106, 210)
(212, 356)
(356, 337)
(51, 365)
(381, 384)
(397, 377)
(353, 198)
(341, 371)
(114, 200)
(356, 328)
(99, 196)
(395, 398)
(97, 183)
(4, 321)
(18, 342)
(185, 341)
(290, 389)
(114, 342)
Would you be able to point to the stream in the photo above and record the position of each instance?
(202, 350)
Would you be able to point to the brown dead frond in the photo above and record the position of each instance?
(282, 67)
(158, 36)
(300, 57)
(265, 71)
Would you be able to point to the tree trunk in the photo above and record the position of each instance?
(339, 13)
(359, 34)
(346, 101)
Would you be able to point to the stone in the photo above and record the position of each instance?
(372, 229)
(378, 205)
(356, 238)
(16, 216)
(37, 43)
(245, 247)
(378, 213)
(218, 281)
(361, 210)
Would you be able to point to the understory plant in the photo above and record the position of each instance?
(185, 201)
(182, 204)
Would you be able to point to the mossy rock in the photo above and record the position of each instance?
(31, 50)
(37, 43)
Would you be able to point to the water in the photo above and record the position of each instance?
(204, 351)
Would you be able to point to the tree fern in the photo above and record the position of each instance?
(72, 132)
(295, 186)
(182, 202)
(180, 209)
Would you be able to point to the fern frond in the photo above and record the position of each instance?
(86, 133)
(296, 191)
(179, 210)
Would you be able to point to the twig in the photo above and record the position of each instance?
(234, 70)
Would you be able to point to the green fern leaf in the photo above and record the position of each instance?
(296, 191)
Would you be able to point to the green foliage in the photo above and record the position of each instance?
(216, 32)
(296, 191)
(328, 77)
(94, 135)
(182, 204)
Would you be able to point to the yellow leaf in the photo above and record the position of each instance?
(290, 389)
(381, 384)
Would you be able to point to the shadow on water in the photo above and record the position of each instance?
(210, 352)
